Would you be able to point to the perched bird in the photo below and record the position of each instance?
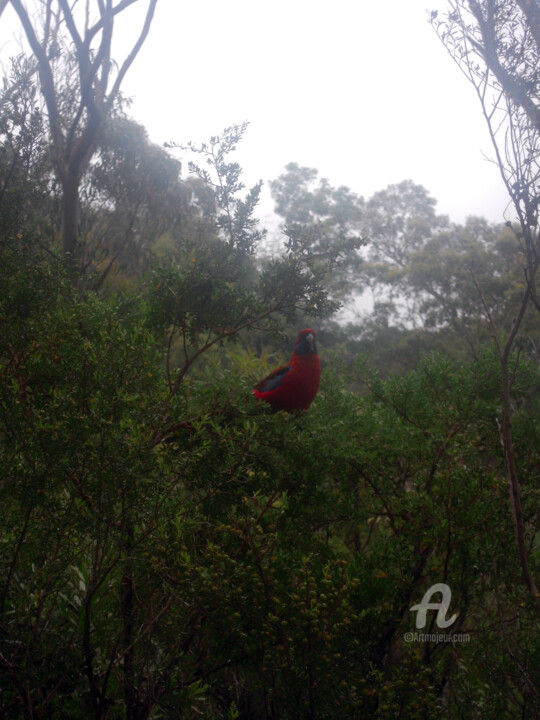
(294, 386)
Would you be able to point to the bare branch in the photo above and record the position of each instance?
(45, 73)
(135, 51)
(491, 43)
(71, 25)
(115, 11)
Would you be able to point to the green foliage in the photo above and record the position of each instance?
(131, 196)
(323, 221)
(24, 157)
(257, 565)
(207, 288)
(168, 548)
(235, 220)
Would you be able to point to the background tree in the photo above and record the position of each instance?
(418, 274)
(75, 121)
(26, 184)
(319, 216)
(131, 196)
(496, 45)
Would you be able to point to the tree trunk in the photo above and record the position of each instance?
(70, 214)
(507, 443)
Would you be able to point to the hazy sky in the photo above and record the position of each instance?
(361, 90)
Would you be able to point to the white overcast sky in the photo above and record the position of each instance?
(362, 90)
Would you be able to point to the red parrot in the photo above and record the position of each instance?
(294, 386)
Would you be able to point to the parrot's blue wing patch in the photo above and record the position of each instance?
(273, 380)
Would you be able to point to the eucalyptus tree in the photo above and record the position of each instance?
(79, 88)
(318, 217)
(496, 44)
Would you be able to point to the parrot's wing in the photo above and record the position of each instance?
(273, 380)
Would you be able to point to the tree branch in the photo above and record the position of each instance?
(135, 51)
(45, 76)
(509, 83)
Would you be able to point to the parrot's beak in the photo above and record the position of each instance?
(310, 340)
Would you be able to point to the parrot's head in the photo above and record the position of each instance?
(306, 342)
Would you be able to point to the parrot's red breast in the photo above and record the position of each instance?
(294, 386)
